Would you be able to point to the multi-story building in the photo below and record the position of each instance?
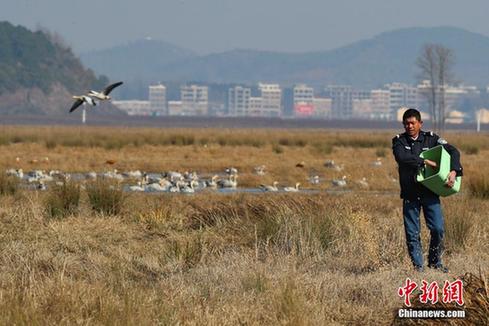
(342, 101)
(322, 108)
(134, 107)
(239, 101)
(361, 104)
(362, 109)
(157, 99)
(195, 100)
(174, 107)
(453, 96)
(360, 94)
(271, 100)
(303, 100)
(401, 95)
(255, 107)
(381, 105)
(400, 112)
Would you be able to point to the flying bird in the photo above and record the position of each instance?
(81, 100)
(104, 95)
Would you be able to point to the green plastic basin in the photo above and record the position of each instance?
(435, 178)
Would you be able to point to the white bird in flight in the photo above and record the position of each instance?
(104, 95)
(81, 100)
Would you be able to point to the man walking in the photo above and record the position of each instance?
(406, 148)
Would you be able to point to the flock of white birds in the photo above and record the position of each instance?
(175, 182)
(172, 181)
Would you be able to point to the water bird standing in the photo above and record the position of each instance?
(340, 182)
(231, 182)
(269, 188)
(314, 180)
(293, 189)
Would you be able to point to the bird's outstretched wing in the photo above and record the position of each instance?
(77, 103)
(109, 88)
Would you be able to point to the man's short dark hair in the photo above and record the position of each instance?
(411, 113)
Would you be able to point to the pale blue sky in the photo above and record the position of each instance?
(216, 25)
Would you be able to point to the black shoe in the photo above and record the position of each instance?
(439, 267)
(419, 269)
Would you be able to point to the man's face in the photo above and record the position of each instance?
(412, 126)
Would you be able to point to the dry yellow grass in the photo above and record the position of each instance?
(298, 259)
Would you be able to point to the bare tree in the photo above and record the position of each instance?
(426, 62)
(436, 63)
(446, 60)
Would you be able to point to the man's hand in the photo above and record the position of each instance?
(430, 163)
(451, 179)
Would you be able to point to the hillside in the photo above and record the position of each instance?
(38, 74)
(384, 58)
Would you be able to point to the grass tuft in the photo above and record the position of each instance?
(381, 152)
(322, 148)
(277, 149)
(63, 200)
(470, 149)
(478, 186)
(106, 197)
(51, 143)
(8, 184)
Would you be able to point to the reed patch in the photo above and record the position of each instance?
(106, 197)
(63, 200)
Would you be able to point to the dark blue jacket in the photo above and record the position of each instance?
(406, 151)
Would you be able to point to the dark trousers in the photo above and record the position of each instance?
(434, 220)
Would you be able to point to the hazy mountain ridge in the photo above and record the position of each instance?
(370, 63)
(38, 74)
(141, 59)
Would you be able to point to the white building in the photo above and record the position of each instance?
(239, 101)
(255, 107)
(455, 117)
(134, 107)
(401, 95)
(322, 107)
(425, 116)
(303, 97)
(174, 107)
(453, 95)
(303, 94)
(157, 99)
(362, 109)
(342, 101)
(271, 100)
(195, 100)
(381, 105)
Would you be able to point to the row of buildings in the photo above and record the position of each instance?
(194, 100)
(301, 101)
